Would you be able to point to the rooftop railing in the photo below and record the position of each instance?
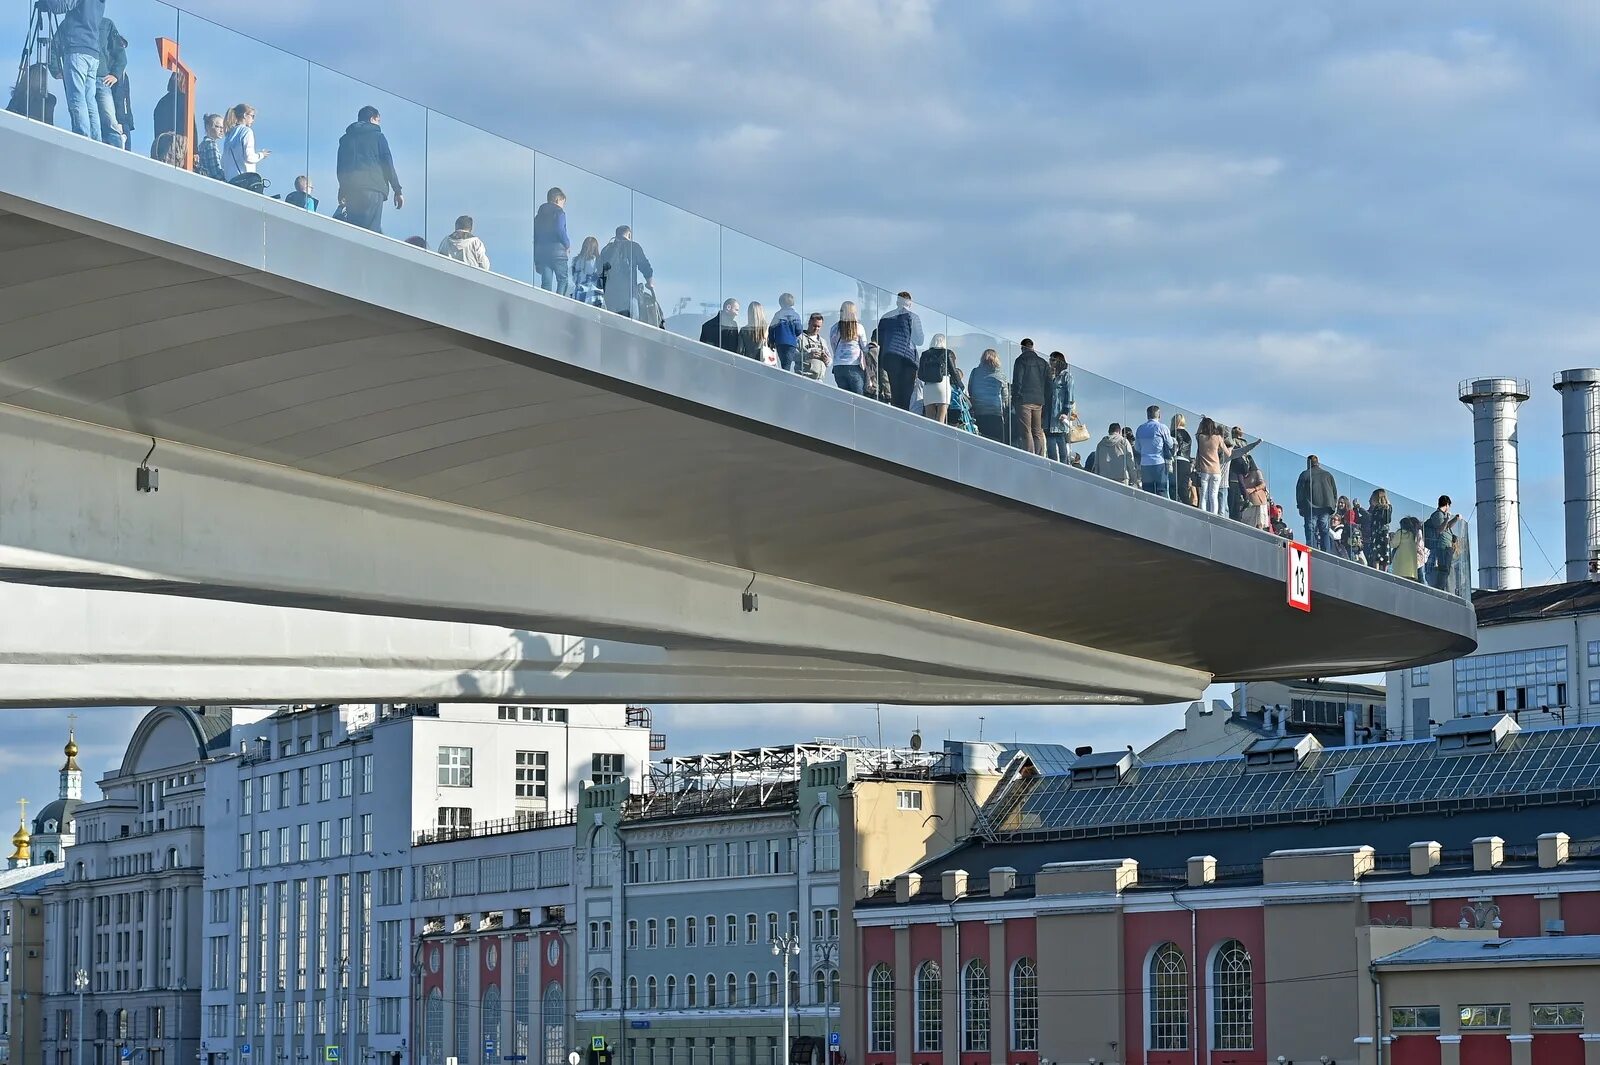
(686, 265)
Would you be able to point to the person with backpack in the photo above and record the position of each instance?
(77, 41)
(239, 154)
(899, 339)
(621, 261)
(934, 368)
(1030, 391)
(784, 334)
(366, 172)
(551, 245)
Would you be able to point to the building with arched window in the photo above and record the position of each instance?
(1238, 910)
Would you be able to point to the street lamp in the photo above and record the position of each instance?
(787, 947)
(80, 983)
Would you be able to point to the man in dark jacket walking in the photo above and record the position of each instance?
(721, 330)
(366, 172)
(1030, 391)
(899, 339)
(78, 41)
(552, 247)
(1315, 496)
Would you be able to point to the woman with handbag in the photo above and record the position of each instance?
(239, 154)
(753, 337)
(1060, 413)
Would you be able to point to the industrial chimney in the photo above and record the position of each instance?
(1494, 402)
(1580, 437)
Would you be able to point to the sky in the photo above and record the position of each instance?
(1312, 219)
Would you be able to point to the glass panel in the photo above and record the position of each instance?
(1099, 401)
(594, 208)
(487, 179)
(237, 76)
(968, 342)
(336, 106)
(754, 272)
(685, 251)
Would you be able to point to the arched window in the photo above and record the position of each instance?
(600, 991)
(833, 987)
(711, 989)
(733, 989)
(1232, 998)
(752, 989)
(1024, 1005)
(1167, 999)
(672, 992)
(490, 1017)
(772, 988)
(794, 988)
(975, 1006)
(433, 1026)
(554, 1019)
(825, 840)
(121, 1017)
(650, 993)
(880, 1009)
(930, 1008)
(691, 990)
(691, 932)
(633, 992)
(819, 985)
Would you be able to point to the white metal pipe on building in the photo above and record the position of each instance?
(1580, 463)
(1494, 402)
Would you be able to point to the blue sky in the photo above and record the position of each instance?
(1312, 219)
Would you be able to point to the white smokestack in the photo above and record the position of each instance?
(1580, 460)
(1494, 402)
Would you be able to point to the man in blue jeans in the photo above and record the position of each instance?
(1155, 451)
(1315, 496)
(79, 36)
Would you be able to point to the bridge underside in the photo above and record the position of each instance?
(344, 423)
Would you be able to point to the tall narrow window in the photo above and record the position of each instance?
(975, 1006)
(1232, 998)
(1024, 1005)
(1167, 999)
(930, 1008)
(880, 1009)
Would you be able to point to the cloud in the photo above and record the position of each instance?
(1467, 67)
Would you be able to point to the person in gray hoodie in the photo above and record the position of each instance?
(463, 247)
(1113, 457)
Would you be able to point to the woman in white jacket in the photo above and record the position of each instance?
(239, 155)
(463, 247)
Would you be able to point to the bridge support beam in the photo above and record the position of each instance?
(233, 529)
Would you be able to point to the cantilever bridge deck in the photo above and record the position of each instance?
(298, 374)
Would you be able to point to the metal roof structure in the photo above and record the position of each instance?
(1583, 950)
(1547, 765)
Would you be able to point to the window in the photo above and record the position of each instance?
(1232, 998)
(929, 1007)
(1414, 1018)
(1024, 1005)
(633, 992)
(1594, 693)
(606, 768)
(730, 931)
(825, 840)
(600, 991)
(732, 987)
(1559, 1015)
(1419, 674)
(672, 931)
(455, 767)
(833, 922)
(691, 932)
(533, 774)
(1167, 999)
(556, 714)
(1487, 683)
(366, 833)
(345, 778)
(650, 993)
(650, 933)
(1486, 1016)
(691, 990)
(455, 819)
(711, 989)
(633, 935)
(817, 924)
(752, 928)
(975, 1006)
(773, 987)
(1594, 652)
(908, 799)
(325, 781)
(711, 930)
(772, 927)
(366, 774)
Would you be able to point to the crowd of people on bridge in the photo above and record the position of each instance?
(1033, 405)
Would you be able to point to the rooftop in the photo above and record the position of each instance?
(1520, 950)
(1533, 604)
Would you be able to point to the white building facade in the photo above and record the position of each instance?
(312, 914)
(1538, 659)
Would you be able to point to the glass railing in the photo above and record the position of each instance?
(684, 266)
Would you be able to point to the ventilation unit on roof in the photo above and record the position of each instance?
(1474, 735)
(1279, 752)
(1101, 770)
